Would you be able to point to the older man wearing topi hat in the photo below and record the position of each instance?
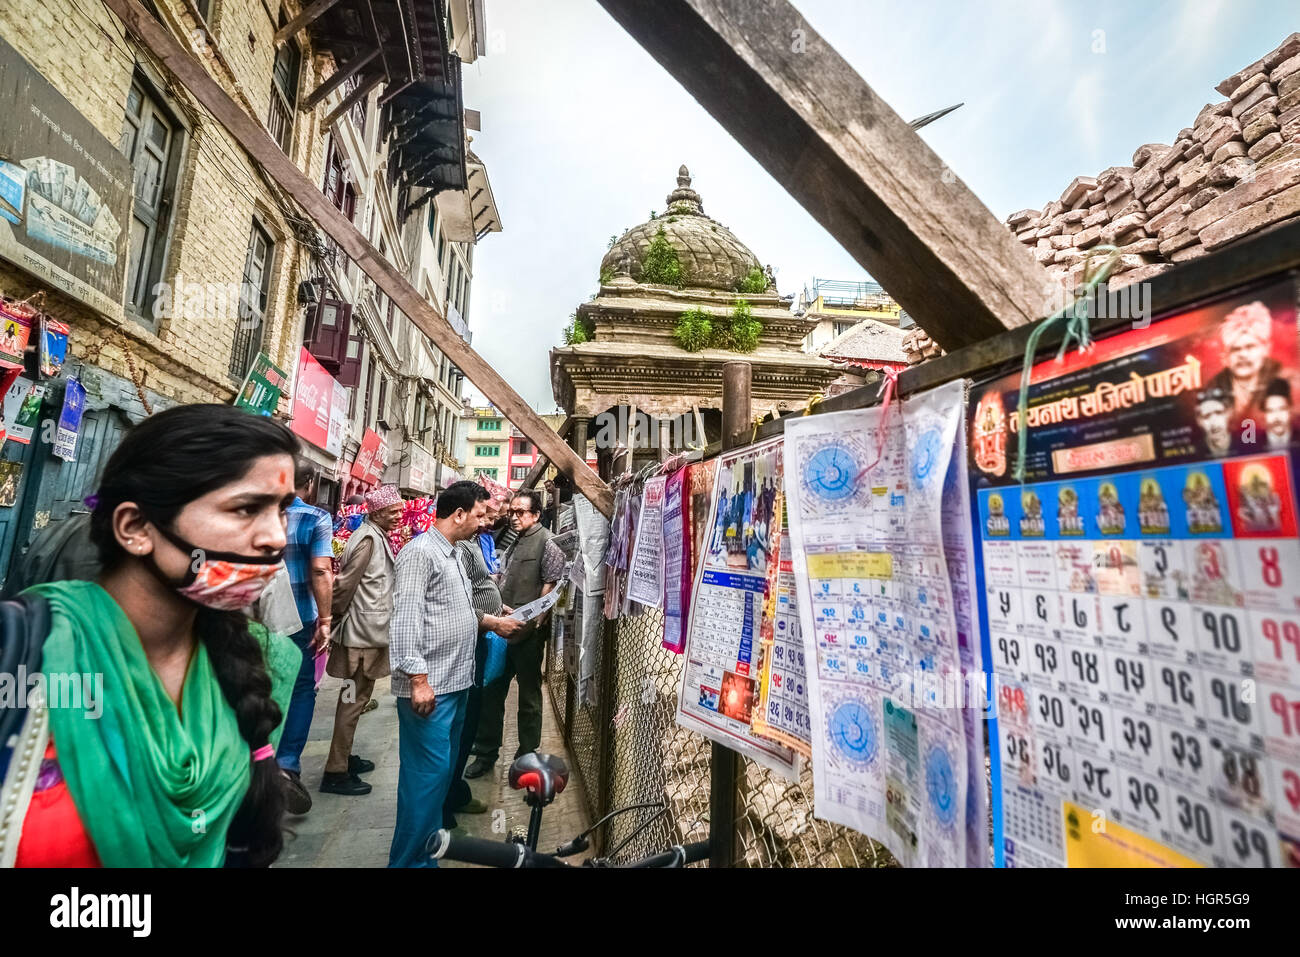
(1246, 337)
(363, 608)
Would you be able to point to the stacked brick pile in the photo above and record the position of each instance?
(1235, 170)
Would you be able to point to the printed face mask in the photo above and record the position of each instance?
(223, 581)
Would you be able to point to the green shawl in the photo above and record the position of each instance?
(154, 787)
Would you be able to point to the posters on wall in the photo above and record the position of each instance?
(1140, 595)
(22, 409)
(719, 689)
(54, 346)
(677, 559)
(74, 406)
(10, 476)
(889, 739)
(646, 570)
(65, 191)
(15, 329)
(782, 713)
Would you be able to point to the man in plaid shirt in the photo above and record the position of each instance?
(431, 652)
(307, 556)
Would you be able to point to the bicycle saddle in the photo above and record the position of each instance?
(544, 775)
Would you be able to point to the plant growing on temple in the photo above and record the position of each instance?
(661, 264)
(606, 275)
(578, 331)
(755, 281)
(694, 330)
(741, 331)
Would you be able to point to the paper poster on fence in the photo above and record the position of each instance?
(959, 553)
(719, 689)
(782, 682)
(593, 539)
(676, 560)
(1141, 593)
(880, 638)
(646, 584)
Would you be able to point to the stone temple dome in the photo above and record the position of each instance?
(711, 257)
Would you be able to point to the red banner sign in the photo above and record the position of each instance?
(316, 407)
(372, 458)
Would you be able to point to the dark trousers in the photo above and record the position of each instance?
(524, 664)
(460, 794)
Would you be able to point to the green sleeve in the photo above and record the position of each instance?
(283, 661)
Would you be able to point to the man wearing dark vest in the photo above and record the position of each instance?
(532, 567)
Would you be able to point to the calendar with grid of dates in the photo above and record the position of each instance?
(1140, 595)
(887, 710)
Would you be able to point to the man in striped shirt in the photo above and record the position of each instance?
(431, 650)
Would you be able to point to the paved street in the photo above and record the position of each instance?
(356, 831)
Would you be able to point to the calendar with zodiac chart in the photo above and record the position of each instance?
(1140, 595)
(884, 666)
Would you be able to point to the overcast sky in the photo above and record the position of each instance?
(583, 132)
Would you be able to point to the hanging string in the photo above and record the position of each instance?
(888, 388)
(1076, 329)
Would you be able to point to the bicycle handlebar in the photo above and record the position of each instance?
(474, 850)
(679, 856)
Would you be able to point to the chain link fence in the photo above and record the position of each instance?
(630, 751)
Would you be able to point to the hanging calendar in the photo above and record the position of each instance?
(1140, 594)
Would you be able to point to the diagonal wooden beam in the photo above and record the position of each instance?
(336, 80)
(306, 17)
(362, 90)
(252, 136)
(794, 103)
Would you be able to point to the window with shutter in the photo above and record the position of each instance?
(327, 336)
(349, 373)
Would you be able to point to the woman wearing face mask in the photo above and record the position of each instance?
(177, 769)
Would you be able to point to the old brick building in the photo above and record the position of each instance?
(174, 260)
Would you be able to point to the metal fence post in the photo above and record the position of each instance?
(725, 763)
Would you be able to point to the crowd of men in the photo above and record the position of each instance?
(427, 618)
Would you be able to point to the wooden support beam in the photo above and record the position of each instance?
(336, 80)
(252, 136)
(310, 14)
(794, 103)
(363, 89)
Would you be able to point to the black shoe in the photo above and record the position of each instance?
(340, 782)
(358, 765)
(479, 768)
(296, 798)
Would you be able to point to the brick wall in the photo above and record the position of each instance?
(1234, 171)
(81, 50)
